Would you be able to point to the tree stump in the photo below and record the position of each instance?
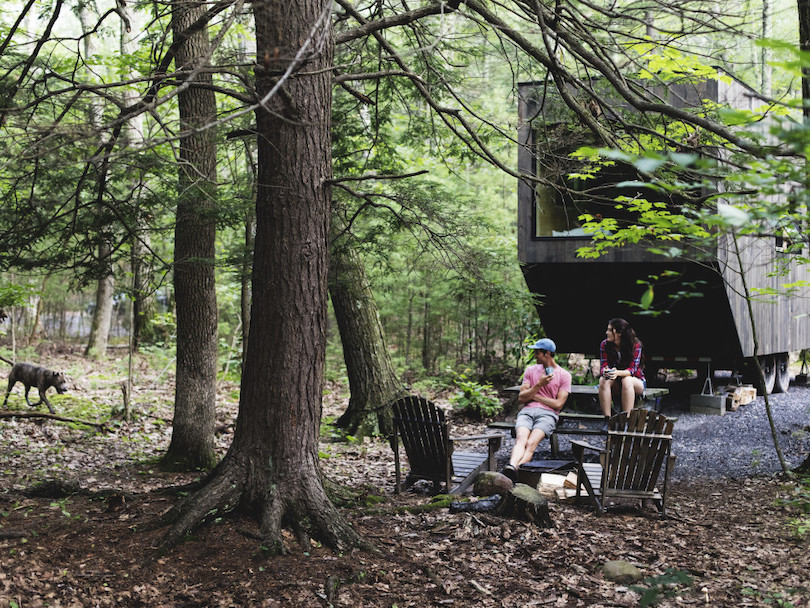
(527, 504)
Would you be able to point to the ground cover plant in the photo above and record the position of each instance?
(77, 504)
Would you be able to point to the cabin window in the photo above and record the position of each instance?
(557, 209)
(552, 216)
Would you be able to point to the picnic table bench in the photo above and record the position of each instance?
(572, 422)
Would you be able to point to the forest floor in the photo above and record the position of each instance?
(735, 539)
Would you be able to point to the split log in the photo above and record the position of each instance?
(478, 506)
(527, 504)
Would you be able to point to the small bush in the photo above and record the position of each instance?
(475, 400)
(663, 585)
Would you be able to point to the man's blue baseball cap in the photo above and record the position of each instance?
(544, 344)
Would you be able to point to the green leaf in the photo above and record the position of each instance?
(649, 164)
(647, 298)
(683, 160)
(634, 184)
(734, 216)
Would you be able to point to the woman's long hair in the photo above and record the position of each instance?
(629, 339)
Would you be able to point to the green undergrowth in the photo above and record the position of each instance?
(798, 501)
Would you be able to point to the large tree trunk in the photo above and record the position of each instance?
(192, 444)
(372, 379)
(272, 467)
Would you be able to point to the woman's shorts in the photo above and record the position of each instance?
(537, 418)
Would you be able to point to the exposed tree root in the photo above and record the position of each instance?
(301, 507)
(218, 495)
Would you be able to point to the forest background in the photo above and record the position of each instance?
(439, 253)
(210, 158)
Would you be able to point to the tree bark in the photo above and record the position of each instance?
(192, 444)
(373, 381)
(246, 292)
(803, 7)
(272, 468)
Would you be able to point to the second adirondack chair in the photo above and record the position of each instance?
(637, 447)
(431, 450)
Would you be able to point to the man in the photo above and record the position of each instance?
(545, 388)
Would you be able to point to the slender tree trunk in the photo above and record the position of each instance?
(746, 292)
(142, 303)
(409, 332)
(765, 52)
(38, 312)
(372, 379)
(426, 331)
(272, 467)
(102, 312)
(192, 444)
(804, 44)
(105, 287)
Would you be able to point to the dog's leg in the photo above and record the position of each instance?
(40, 393)
(28, 388)
(12, 380)
(44, 398)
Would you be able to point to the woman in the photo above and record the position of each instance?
(622, 370)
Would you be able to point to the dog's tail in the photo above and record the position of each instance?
(6, 360)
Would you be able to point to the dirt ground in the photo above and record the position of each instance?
(733, 539)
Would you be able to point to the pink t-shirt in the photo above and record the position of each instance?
(560, 382)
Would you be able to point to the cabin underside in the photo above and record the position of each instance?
(689, 323)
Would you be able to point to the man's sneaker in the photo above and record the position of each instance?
(510, 472)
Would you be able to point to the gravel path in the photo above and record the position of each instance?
(736, 445)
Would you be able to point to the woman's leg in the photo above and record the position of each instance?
(631, 386)
(606, 396)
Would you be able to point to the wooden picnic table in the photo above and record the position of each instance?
(581, 423)
(652, 396)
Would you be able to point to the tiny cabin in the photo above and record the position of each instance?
(706, 323)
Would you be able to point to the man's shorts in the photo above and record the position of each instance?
(537, 418)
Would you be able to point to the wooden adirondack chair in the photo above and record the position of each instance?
(430, 449)
(638, 444)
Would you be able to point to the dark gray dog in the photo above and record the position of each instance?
(34, 375)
